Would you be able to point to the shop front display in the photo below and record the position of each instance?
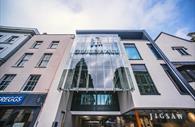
(165, 118)
(20, 110)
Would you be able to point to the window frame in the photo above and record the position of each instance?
(3, 79)
(54, 43)
(31, 82)
(42, 59)
(132, 44)
(17, 64)
(35, 44)
(182, 50)
(151, 84)
(10, 41)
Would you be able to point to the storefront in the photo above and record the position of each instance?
(160, 118)
(20, 110)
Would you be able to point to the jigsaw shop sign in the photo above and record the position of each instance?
(11, 99)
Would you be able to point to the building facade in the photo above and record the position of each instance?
(119, 78)
(12, 38)
(97, 78)
(27, 76)
(181, 53)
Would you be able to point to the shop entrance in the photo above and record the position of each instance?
(102, 121)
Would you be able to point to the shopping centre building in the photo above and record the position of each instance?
(101, 78)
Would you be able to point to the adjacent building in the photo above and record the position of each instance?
(26, 78)
(98, 78)
(181, 53)
(12, 38)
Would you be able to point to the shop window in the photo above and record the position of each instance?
(54, 44)
(37, 44)
(132, 52)
(16, 117)
(144, 81)
(5, 80)
(181, 50)
(45, 60)
(31, 82)
(154, 51)
(25, 58)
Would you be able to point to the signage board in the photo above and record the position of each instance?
(11, 99)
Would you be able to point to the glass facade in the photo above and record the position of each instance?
(96, 63)
(95, 101)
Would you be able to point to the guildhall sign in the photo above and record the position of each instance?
(96, 43)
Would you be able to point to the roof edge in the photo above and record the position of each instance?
(32, 31)
(171, 36)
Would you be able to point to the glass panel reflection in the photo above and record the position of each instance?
(97, 64)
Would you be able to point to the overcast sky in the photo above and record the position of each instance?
(176, 17)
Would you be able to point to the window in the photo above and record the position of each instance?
(5, 80)
(24, 59)
(44, 60)
(188, 72)
(54, 44)
(175, 81)
(181, 50)
(37, 44)
(144, 81)
(154, 51)
(31, 82)
(1, 49)
(95, 101)
(132, 52)
(11, 39)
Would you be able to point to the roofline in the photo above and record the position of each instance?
(124, 34)
(171, 36)
(32, 31)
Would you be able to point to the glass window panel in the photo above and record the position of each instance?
(5, 80)
(132, 51)
(108, 78)
(144, 81)
(31, 82)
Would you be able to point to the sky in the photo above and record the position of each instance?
(176, 17)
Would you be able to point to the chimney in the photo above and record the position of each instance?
(192, 35)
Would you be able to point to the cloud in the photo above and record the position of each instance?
(65, 16)
(182, 32)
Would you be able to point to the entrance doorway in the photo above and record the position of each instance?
(102, 121)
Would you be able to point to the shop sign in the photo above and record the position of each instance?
(166, 115)
(11, 99)
(96, 52)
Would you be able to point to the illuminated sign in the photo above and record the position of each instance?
(166, 115)
(11, 99)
